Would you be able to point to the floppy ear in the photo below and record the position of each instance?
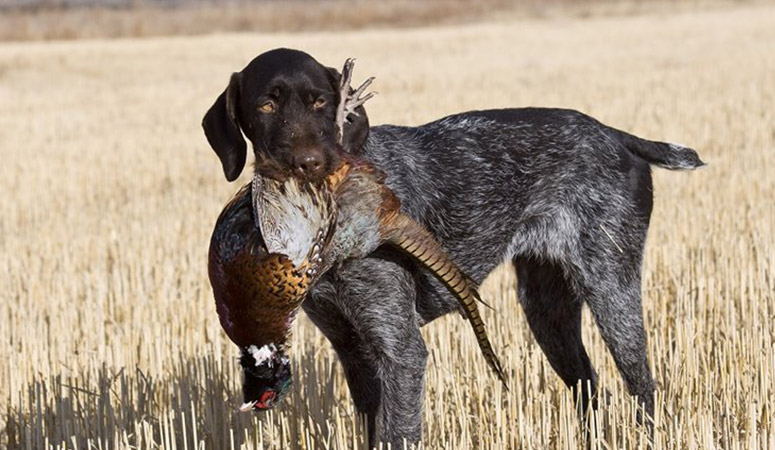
(356, 129)
(223, 132)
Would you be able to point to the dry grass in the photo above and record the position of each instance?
(110, 339)
(143, 19)
(138, 18)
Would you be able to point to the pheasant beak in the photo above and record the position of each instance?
(247, 407)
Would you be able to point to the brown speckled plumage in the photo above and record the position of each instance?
(257, 293)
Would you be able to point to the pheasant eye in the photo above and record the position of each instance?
(319, 103)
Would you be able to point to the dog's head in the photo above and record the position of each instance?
(285, 103)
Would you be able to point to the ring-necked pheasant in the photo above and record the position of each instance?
(257, 289)
(259, 286)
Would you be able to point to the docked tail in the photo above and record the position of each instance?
(414, 239)
(661, 154)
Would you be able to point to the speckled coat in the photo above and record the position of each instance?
(562, 196)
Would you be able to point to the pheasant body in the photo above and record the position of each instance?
(259, 279)
(275, 238)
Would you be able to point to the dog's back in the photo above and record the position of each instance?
(492, 184)
(546, 183)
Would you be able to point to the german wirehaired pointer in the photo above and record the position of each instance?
(563, 197)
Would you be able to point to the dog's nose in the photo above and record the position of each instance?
(309, 162)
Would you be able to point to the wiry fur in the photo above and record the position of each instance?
(562, 196)
(555, 192)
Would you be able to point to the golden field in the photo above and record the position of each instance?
(107, 323)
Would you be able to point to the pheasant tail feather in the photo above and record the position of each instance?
(414, 239)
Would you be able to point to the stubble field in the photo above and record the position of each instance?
(108, 329)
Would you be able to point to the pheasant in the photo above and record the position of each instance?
(258, 289)
(306, 229)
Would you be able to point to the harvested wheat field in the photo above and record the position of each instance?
(109, 333)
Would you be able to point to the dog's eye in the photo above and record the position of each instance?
(319, 103)
(267, 107)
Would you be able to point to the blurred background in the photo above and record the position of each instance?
(73, 19)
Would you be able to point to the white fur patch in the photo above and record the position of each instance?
(683, 164)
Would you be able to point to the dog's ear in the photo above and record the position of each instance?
(223, 132)
(356, 129)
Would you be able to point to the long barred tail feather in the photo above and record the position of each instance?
(414, 239)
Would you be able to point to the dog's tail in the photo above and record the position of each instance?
(661, 154)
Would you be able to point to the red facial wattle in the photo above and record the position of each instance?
(267, 399)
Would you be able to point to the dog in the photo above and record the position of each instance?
(563, 197)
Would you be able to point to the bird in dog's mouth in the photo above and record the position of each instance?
(276, 238)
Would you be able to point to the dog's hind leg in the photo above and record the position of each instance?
(554, 315)
(615, 302)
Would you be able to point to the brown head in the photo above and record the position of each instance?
(285, 103)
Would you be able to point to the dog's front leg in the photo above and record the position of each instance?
(401, 377)
(367, 310)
